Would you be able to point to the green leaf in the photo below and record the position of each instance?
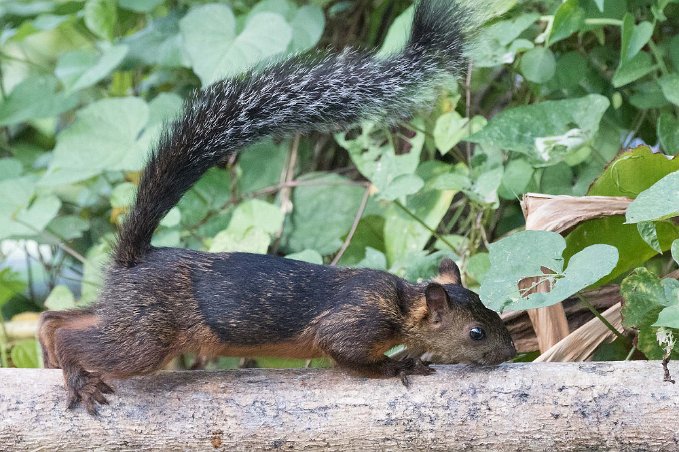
(68, 227)
(644, 298)
(93, 271)
(648, 95)
(283, 8)
(516, 177)
(261, 165)
(545, 132)
(640, 65)
(123, 195)
(669, 84)
(61, 298)
(254, 212)
(668, 133)
(525, 255)
(402, 233)
(140, 6)
(671, 288)
(634, 37)
(419, 265)
(251, 229)
(81, 69)
(648, 232)
(323, 213)
(673, 46)
(215, 51)
(634, 251)
(647, 343)
(373, 259)
(495, 43)
(104, 137)
(24, 354)
(392, 174)
(477, 267)
(451, 128)
(160, 43)
(23, 212)
(311, 256)
(675, 251)
(538, 65)
(369, 235)
(10, 168)
(101, 17)
(307, 28)
(571, 69)
(485, 187)
(557, 180)
(668, 317)
(398, 33)
(630, 174)
(251, 240)
(633, 172)
(34, 98)
(568, 19)
(659, 202)
(172, 219)
(11, 285)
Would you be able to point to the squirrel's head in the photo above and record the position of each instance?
(453, 326)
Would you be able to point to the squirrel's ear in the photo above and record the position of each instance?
(449, 273)
(437, 301)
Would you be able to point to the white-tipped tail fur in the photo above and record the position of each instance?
(302, 94)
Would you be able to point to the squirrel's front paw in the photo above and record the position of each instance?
(412, 366)
(87, 388)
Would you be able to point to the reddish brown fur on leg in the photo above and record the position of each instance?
(50, 322)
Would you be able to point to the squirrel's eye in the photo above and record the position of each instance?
(477, 333)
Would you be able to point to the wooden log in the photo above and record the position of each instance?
(567, 406)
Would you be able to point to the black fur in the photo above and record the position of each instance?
(157, 303)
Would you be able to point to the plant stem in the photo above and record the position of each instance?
(425, 225)
(658, 57)
(603, 319)
(354, 226)
(4, 360)
(602, 21)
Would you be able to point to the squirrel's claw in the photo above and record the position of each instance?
(412, 366)
(88, 388)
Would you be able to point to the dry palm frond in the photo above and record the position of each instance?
(561, 213)
(558, 214)
(581, 343)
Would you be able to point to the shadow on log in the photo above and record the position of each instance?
(569, 406)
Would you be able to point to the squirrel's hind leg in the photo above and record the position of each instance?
(50, 322)
(90, 354)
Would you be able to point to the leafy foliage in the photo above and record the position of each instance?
(558, 88)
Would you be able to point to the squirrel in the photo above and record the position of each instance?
(157, 303)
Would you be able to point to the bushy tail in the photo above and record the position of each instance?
(302, 94)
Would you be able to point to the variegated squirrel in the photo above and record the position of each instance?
(157, 303)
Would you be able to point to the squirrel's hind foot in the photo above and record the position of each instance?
(88, 389)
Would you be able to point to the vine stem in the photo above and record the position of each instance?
(354, 226)
(603, 319)
(658, 57)
(4, 361)
(425, 225)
